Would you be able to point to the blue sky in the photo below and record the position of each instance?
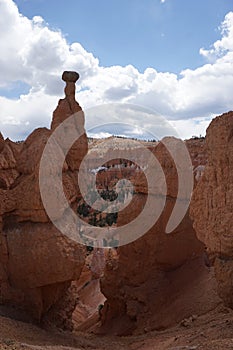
(145, 33)
(174, 57)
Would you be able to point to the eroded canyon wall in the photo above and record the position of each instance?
(212, 203)
(160, 278)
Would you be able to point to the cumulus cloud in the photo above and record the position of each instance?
(20, 117)
(225, 44)
(128, 119)
(34, 54)
(191, 127)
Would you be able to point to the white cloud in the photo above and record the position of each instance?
(34, 54)
(128, 119)
(191, 127)
(20, 117)
(225, 44)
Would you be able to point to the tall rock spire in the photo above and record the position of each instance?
(67, 107)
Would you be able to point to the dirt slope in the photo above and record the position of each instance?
(208, 332)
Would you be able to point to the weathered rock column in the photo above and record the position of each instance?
(66, 108)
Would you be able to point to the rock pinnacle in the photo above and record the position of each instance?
(70, 78)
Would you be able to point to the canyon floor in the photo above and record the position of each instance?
(208, 332)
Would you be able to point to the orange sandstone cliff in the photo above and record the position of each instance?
(160, 279)
(212, 203)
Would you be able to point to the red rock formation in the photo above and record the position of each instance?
(67, 107)
(8, 163)
(157, 280)
(149, 284)
(37, 263)
(2, 144)
(86, 315)
(212, 203)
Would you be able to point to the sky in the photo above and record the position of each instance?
(170, 60)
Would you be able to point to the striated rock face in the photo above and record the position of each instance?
(212, 203)
(90, 299)
(159, 279)
(37, 263)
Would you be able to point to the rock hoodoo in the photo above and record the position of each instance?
(66, 108)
